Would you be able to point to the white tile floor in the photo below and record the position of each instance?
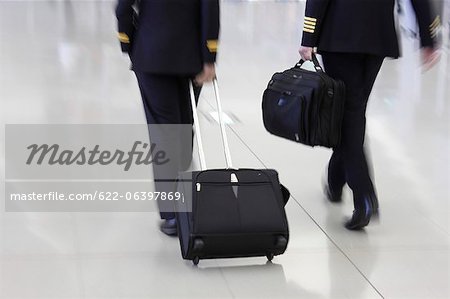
(60, 63)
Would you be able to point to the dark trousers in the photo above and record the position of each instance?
(348, 164)
(166, 100)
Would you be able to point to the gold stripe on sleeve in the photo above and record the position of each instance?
(310, 19)
(434, 32)
(123, 38)
(212, 45)
(436, 22)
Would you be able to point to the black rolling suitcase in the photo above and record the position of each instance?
(305, 106)
(235, 212)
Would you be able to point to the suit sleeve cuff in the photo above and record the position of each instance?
(429, 35)
(310, 29)
(309, 40)
(124, 41)
(210, 51)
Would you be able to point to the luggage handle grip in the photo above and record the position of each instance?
(198, 135)
(314, 60)
(226, 148)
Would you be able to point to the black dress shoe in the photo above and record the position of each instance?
(169, 227)
(374, 201)
(332, 195)
(365, 209)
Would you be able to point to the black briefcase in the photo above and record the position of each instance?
(234, 212)
(305, 106)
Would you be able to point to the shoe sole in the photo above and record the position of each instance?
(357, 227)
(169, 231)
(330, 197)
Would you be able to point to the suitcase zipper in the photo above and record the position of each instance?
(302, 127)
(292, 77)
(282, 85)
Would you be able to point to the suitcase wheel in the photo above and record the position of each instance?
(281, 242)
(196, 260)
(270, 256)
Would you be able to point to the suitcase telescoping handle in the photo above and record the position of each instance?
(201, 152)
(314, 60)
(198, 135)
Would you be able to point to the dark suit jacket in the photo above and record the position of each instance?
(169, 36)
(361, 26)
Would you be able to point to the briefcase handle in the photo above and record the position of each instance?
(223, 132)
(314, 60)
